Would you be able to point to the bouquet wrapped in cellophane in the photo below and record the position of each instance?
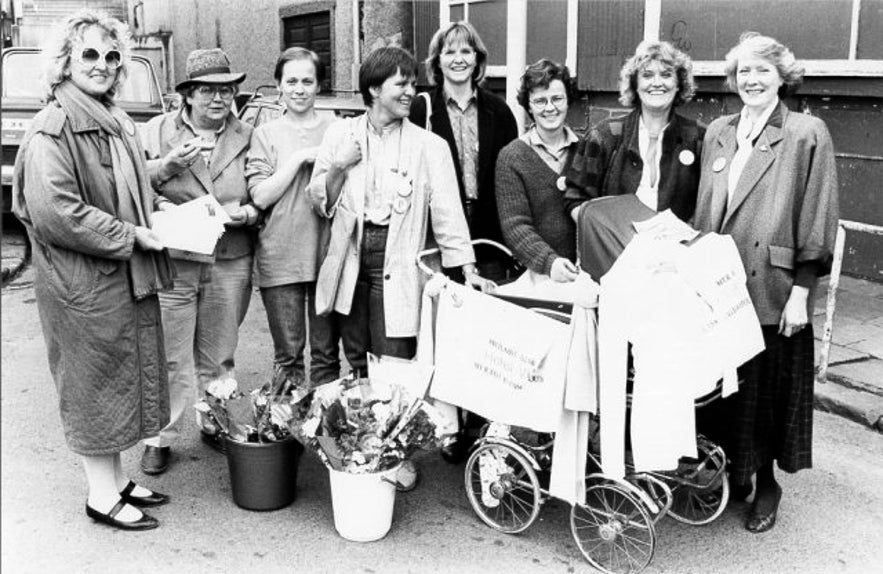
(363, 425)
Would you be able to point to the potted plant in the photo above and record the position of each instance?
(262, 453)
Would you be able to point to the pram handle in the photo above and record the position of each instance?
(426, 269)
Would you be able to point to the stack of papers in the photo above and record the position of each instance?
(194, 226)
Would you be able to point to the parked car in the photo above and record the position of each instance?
(22, 97)
(263, 105)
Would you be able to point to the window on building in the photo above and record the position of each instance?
(312, 31)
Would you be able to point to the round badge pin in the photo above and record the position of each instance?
(719, 164)
(400, 205)
(561, 183)
(686, 157)
(129, 126)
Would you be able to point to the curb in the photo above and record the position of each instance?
(853, 404)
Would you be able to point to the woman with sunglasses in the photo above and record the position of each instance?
(196, 150)
(648, 159)
(530, 190)
(82, 190)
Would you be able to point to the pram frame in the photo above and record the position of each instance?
(646, 509)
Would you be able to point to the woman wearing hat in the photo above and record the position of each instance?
(196, 150)
(82, 191)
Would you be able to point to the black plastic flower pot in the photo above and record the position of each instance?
(263, 476)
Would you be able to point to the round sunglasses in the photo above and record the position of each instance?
(90, 57)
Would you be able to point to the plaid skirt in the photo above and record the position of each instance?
(770, 418)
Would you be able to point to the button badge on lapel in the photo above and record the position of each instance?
(719, 164)
(686, 157)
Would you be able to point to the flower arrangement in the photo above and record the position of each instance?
(364, 425)
(259, 416)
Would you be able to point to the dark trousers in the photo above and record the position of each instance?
(291, 314)
(364, 329)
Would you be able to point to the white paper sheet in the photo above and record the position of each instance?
(193, 226)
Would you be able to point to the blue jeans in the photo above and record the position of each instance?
(201, 317)
(291, 312)
(364, 329)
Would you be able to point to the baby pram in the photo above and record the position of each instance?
(507, 477)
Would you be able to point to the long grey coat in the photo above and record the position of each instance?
(105, 347)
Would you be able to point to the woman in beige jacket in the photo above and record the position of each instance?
(383, 181)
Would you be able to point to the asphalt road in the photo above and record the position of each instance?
(831, 517)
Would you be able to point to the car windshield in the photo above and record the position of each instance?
(27, 69)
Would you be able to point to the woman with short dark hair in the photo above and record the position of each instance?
(390, 180)
(769, 179)
(530, 184)
(82, 190)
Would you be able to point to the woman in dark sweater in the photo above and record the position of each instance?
(530, 185)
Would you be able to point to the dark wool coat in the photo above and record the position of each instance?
(105, 348)
(608, 162)
(496, 128)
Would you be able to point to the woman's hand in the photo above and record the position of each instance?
(180, 158)
(476, 281)
(147, 239)
(794, 315)
(563, 271)
(349, 155)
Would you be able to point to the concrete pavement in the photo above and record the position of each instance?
(855, 372)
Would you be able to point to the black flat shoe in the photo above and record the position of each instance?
(146, 522)
(763, 512)
(152, 499)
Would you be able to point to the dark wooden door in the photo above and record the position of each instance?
(312, 31)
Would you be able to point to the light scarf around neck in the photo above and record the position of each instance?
(150, 271)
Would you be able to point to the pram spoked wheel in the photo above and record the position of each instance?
(704, 495)
(502, 487)
(613, 530)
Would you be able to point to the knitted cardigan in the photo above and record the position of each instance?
(535, 225)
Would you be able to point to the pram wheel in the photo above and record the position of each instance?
(502, 487)
(613, 530)
(703, 496)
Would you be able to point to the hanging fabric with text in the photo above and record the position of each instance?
(501, 361)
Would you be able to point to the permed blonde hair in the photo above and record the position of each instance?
(656, 51)
(57, 50)
(772, 51)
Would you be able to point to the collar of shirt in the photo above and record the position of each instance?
(644, 138)
(748, 132)
(451, 101)
(532, 138)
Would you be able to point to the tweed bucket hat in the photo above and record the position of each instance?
(209, 67)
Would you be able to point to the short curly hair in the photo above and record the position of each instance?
(455, 32)
(539, 75)
(772, 51)
(60, 45)
(656, 51)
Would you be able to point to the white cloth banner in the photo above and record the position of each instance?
(499, 360)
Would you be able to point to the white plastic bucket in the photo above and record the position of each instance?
(363, 503)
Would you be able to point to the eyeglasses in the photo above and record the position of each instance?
(90, 57)
(541, 103)
(208, 92)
